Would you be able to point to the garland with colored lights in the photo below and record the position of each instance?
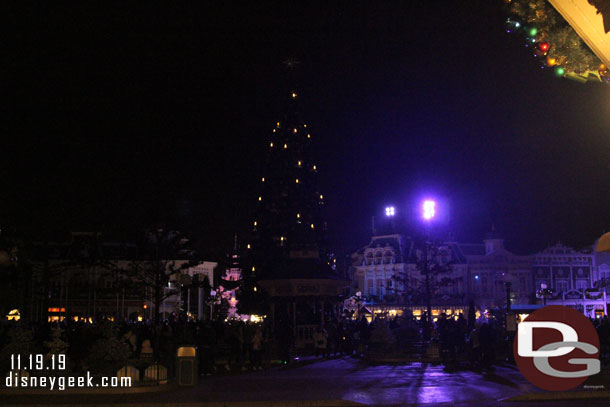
(554, 41)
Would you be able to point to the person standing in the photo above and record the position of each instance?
(320, 341)
(257, 349)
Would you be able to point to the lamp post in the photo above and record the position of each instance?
(603, 246)
(428, 214)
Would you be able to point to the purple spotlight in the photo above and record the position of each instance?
(429, 209)
(390, 211)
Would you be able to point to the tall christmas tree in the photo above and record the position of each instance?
(289, 229)
(290, 275)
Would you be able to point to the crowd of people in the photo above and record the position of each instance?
(238, 345)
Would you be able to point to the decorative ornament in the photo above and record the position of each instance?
(559, 71)
(604, 72)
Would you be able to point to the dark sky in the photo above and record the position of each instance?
(115, 119)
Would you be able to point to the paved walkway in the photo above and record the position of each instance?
(345, 379)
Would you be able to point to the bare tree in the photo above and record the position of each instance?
(163, 254)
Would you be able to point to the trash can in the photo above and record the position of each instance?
(186, 362)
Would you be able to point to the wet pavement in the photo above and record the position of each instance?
(344, 379)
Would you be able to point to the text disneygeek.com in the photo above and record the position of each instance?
(65, 382)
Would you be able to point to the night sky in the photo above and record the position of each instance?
(117, 119)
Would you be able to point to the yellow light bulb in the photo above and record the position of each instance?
(255, 223)
(255, 289)
(298, 215)
(285, 146)
(277, 124)
(309, 136)
(321, 196)
(299, 163)
(271, 144)
(260, 198)
(297, 180)
(294, 95)
(274, 130)
(314, 167)
(311, 226)
(305, 125)
(263, 179)
(249, 246)
(294, 131)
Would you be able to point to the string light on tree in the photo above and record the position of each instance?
(558, 43)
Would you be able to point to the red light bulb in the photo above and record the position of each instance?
(544, 46)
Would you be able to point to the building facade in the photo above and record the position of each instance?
(86, 277)
(387, 271)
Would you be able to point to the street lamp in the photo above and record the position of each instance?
(428, 210)
(428, 214)
(390, 211)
